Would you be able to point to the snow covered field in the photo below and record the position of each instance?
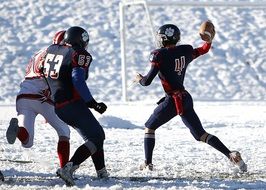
(180, 161)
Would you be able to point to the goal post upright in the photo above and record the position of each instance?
(122, 5)
(146, 4)
(123, 50)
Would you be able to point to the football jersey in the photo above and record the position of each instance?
(172, 64)
(58, 65)
(35, 65)
(34, 82)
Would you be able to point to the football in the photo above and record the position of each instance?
(207, 31)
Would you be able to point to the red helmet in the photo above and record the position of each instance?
(59, 37)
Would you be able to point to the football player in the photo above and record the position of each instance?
(170, 62)
(66, 69)
(33, 98)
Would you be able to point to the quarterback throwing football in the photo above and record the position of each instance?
(170, 62)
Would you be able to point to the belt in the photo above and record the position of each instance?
(59, 105)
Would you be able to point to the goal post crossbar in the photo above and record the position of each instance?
(261, 4)
(147, 4)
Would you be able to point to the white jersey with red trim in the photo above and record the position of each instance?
(35, 64)
(34, 83)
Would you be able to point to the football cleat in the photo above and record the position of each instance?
(65, 173)
(102, 173)
(236, 159)
(73, 171)
(12, 131)
(145, 166)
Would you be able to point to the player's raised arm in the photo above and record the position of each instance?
(207, 33)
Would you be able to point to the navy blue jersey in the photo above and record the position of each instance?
(59, 63)
(170, 64)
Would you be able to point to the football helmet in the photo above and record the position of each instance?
(77, 36)
(168, 34)
(59, 37)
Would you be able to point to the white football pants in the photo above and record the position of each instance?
(28, 109)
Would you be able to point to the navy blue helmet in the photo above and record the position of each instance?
(168, 34)
(77, 36)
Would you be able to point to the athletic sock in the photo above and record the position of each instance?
(63, 152)
(149, 143)
(81, 154)
(218, 145)
(98, 160)
(23, 135)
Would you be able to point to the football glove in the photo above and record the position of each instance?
(138, 77)
(99, 107)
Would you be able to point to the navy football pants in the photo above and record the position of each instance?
(166, 110)
(77, 115)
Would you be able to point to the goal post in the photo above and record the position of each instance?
(122, 6)
(146, 5)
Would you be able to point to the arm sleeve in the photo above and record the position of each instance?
(146, 80)
(201, 50)
(78, 79)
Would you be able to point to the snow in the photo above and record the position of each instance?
(228, 85)
(180, 161)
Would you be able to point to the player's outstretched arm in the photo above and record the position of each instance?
(147, 79)
(138, 77)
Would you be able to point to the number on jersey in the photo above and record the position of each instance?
(52, 65)
(180, 64)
